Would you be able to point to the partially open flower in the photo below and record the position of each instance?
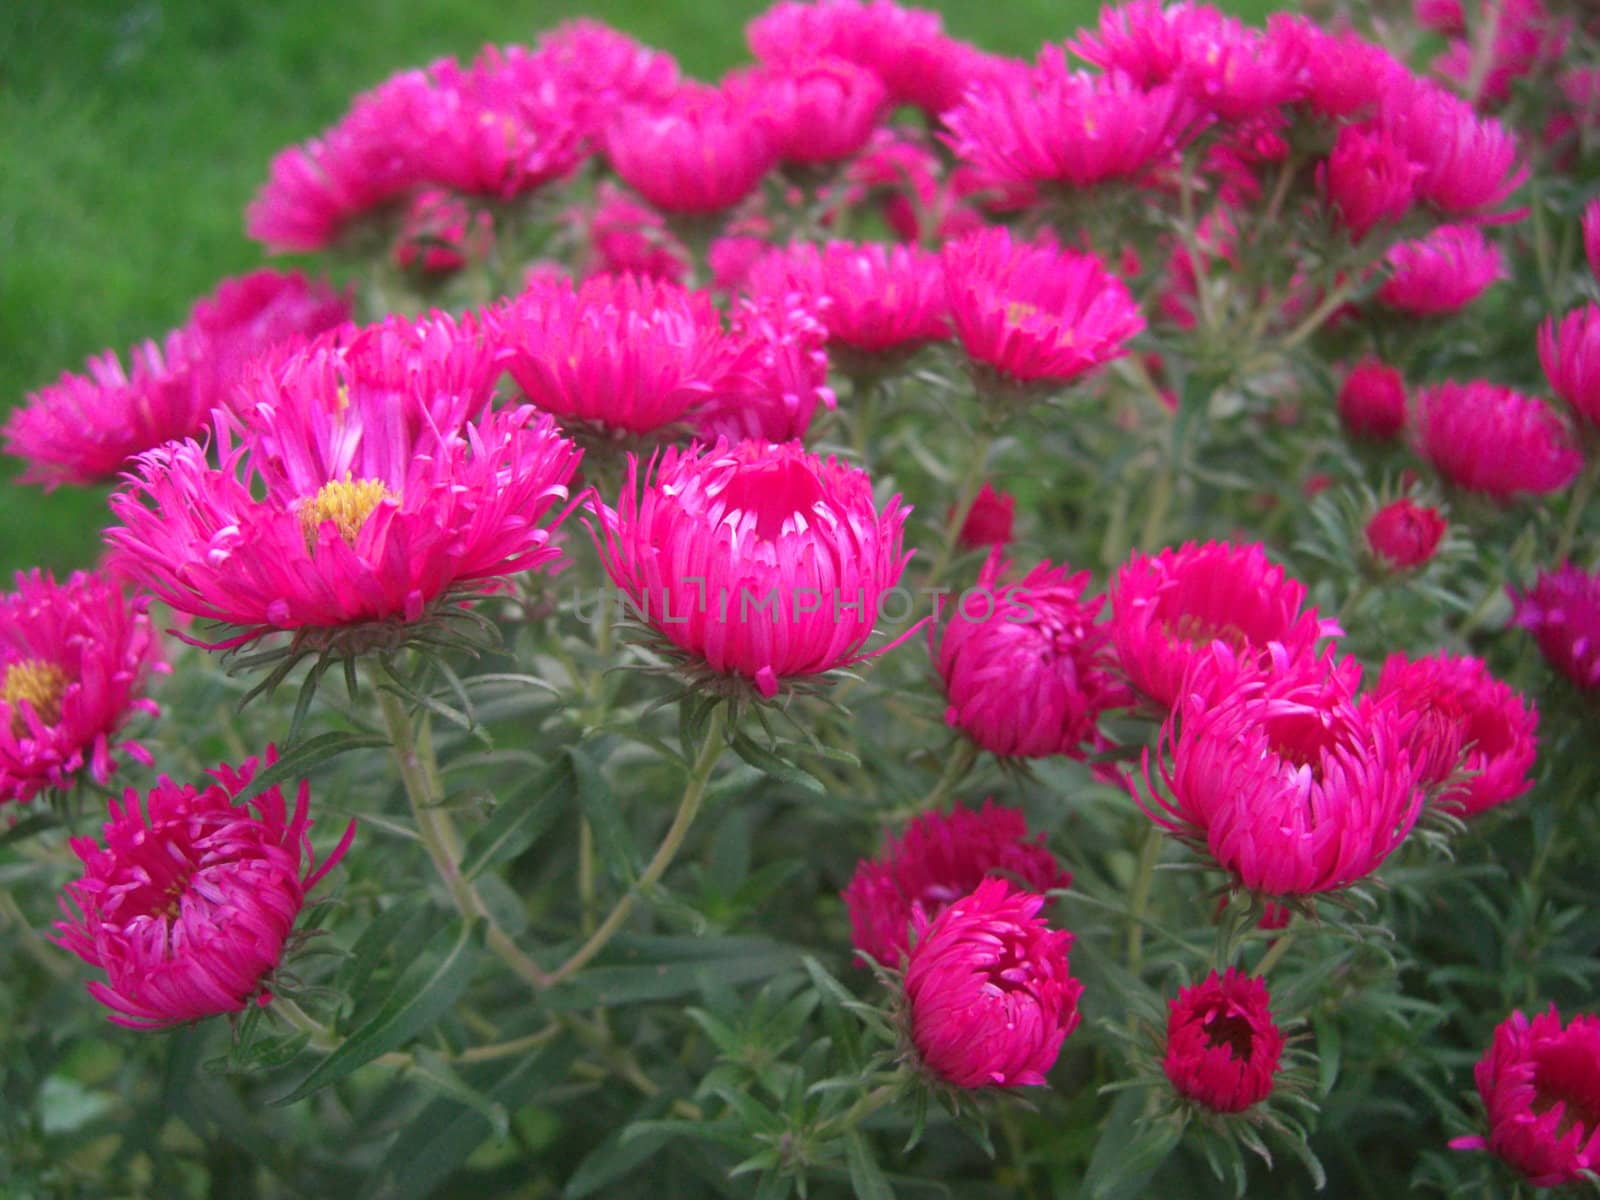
(701, 153)
(1494, 440)
(940, 858)
(1403, 535)
(188, 904)
(1443, 272)
(1372, 400)
(989, 520)
(1570, 353)
(815, 111)
(1562, 611)
(778, 376)
(74, 661)
(1369, 179)
(1223, 1047)
(989, 990)
(1540, 1086)
(760, 562)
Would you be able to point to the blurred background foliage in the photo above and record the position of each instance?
(132, 135)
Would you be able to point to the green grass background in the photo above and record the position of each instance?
(133, 134)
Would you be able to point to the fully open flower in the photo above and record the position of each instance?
(1491, 439)
(1562, 611)
(988, 986)
(1167, 609)
(815, 111)
(1223, 1047)
(940, 858)
(779, 374)
(1443, 272)
(74, 661)
(381, 494)
(1540, 1086)
(1369, 179)
(188, 904)
(1473, 732)
(1026, 668)
(1290, 786)
(1468, 161)
(627, 354)
(760, 562)
(1570, 354)
(1033, 313)
(701, 153)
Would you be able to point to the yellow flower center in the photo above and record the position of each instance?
(346, 503)
(38, 682)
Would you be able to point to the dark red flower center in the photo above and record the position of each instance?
(773, 492)
(1572, 1079)
(161, 866)
(1302, 739)
(1234, 1032)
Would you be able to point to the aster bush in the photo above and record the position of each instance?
(902, 622)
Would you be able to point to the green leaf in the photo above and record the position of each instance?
(608, 987)
(866, 1177)
(520, 820)
(1129, 1150)
(619, 1154)
(296, 762)
(382, 932)
(612, 841)
(419, 1000)
(776, 766)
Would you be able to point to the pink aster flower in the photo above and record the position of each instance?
(988, 988)
(346, 494)
(1494, 440)
(1056, 125)
(1143, 39)
(816, 111)
(87, 428)
(1525, 37)
(1368, 179)
(1570, 354)
(989, 520)
(1167, 609)
(917, 198)
(74, 662)
(1473, 732)
(1237, 72)
(1468, 161)
(1347, 76)
(1442, 272)
(626, 237)
(190, 902)
(1372, 400)
(1441, 16)
(762, 562)
(603, 69)
(440, 234)
(940, 858)
(701, 153)
(1289, 785)
(1562, 611)
(779, 375)
(1036, 638)
(1223, 1047)
(1540, 1086)
(874, 298)
(1033, 313)
(1403, 534)
(629, 354)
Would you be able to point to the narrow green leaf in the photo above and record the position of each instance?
(866, 1177)
(521, 819)
(618, 1155)
(382, 932)
(298, 761)
(776, 766)
(612, 840)
(419, 1000)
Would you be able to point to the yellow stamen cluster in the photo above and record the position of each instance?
(346, 503)
(39, 683)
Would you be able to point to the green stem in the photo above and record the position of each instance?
(688, 808)
(1139, 900)
(1353, 603)
(1582, 493)
(1155, 517)
(1275, 952)
(15, 922)
(325, 1040)
(955, 770)
(438, 836)
(882, 1095)
(966, 493)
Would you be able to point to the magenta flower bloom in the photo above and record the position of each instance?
(1540, 1086)
(1494, 440)
(628, 354)
(1372, 400)
(1403, 534)
(940, 858)
(85, 429)
(1562, 611)
(1443, 272)
(189, 903)
(1033, 313)
(1525, 38)
(815, 111)
(440, 234)
(1460, 707)
(1468, 161)
(873, 298)
(1368, 179)
(989, 991)
(74, 662)
(1167, 609)
(1289, 785)
(1570, 354)
(701, 153)
(1142, 39)
(626, 237)
(1223, 1047)
(1036, 638)
(1347, 76)
(760, 562)
(1056, 125)
(989, 520)
(347, 494)
(602, 69)
(779, 375)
